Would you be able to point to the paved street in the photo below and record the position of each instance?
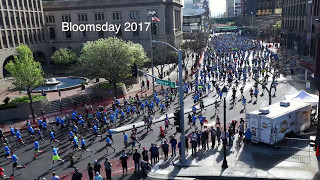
(41, 166)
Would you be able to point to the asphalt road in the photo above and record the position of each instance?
(41, 166)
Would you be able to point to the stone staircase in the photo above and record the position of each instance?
(72, 102)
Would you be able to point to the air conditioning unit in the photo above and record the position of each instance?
(264, 110)
(284, 103)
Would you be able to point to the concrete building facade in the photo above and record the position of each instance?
(22, 21)
(298, 17)
(114, 12)
(230, 8)
(237, 8)
(264, 7)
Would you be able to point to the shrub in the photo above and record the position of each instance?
(25, 99)
(106, 85)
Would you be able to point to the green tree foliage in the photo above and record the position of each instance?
(110, 59)
(27, 73)
(64, 56)
(196, 43)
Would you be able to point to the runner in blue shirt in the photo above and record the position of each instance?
(125, 139)
(96, 131)
(14, 160)
(12, 131)
(109, 143)
(57, 121)
(7, 150)
(55, 156)
(31, 131)
(83, 146)
(53, 138)
(19, 138)
(62, 123)
(36, 149)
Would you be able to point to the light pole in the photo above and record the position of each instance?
(151, 14)
(182, 136)
(224, 94)
(251, 19)
(311, 7)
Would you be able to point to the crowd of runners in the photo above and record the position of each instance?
(229, 61)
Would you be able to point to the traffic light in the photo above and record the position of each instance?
(134, 70)
(177, 120)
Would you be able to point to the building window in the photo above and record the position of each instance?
(68, 34)
(99, 16)
(66, 18)
(82, 17)
(4, 40)
(84, 34)
(135, 33)
(120, 32)
(134, 14)
(117, 15)
(100, 34)
(50, 19)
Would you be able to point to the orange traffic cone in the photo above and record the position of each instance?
(317, 152)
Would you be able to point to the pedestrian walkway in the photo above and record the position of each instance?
(246, 161)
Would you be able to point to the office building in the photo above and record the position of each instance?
(298, 17)
(113, 12)
(22, 21)
(264, 7)
(230, 8)
(237, 8)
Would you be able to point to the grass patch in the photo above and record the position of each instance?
(106, 85)
(7, 106)
(25, 99)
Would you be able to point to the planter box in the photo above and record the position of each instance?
(22, 111)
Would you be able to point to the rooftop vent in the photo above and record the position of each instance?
(264, 110)
(285, 103)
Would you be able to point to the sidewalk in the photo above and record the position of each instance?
(249, 161)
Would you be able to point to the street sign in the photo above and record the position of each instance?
(166, 83)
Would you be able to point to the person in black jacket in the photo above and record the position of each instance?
(90, 171)
(96, 167)
(77, 175)
(136, 158)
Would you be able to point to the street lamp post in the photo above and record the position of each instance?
(224, 94)
(151, 14)
(182, 136)
(251, 19)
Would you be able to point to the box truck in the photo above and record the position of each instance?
(271, 124)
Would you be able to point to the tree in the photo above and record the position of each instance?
(110, 59)
(27, 73)
(64, 56)
(196, 43)
(162, 55)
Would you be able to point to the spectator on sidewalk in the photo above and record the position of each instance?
(194, 144)
(148, 84)
(241, 129)
(173, 143)
(77, 175)
(145, 155)
(247, 136)
(98, 176)
(136, 157)
(218, 135)
(153, 153)
(206, 139)
(165, 149)
(124, 162)
(198, 134)
(90, 171)
(54, 176)
(213, 137)
(108, 168)
(97, 166)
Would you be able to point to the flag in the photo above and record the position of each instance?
(155, 19)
